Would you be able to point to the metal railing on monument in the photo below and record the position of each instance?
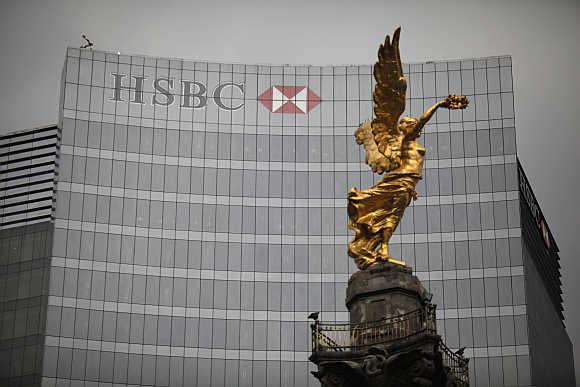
(456, 362)
(340, 337)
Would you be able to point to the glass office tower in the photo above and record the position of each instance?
(28, 160)
(201, 216)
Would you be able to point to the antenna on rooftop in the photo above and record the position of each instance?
(88, 43)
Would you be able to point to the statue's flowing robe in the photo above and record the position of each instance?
(375, 213)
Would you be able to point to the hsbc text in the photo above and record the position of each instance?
(191, 94)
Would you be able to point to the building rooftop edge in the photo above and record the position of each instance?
(71, 48)
(27, 131)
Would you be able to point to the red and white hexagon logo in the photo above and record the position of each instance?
(289, 99)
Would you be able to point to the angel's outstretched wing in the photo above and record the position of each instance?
(389, 98)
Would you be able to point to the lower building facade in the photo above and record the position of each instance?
(197, 216)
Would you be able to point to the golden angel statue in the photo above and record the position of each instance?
(391, 148)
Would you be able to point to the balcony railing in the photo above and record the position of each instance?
(457, 363)
(342, 337)
(356, 337)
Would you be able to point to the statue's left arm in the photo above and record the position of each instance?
(427, 116)
(450, 102)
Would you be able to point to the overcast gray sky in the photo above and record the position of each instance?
(541, 36)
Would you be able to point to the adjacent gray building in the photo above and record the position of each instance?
(192, 214)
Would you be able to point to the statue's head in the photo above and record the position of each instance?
(407, 125)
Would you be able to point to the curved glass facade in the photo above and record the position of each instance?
(201, 216)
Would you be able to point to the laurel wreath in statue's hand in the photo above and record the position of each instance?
(455, 102)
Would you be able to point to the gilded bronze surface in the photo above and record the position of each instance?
(391, 149)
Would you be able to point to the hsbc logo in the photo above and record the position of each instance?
(526, 192)
(195, 95)
(545, 233)
(289, 99)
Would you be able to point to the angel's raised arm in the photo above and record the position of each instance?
(450, 102)
(425, 117)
